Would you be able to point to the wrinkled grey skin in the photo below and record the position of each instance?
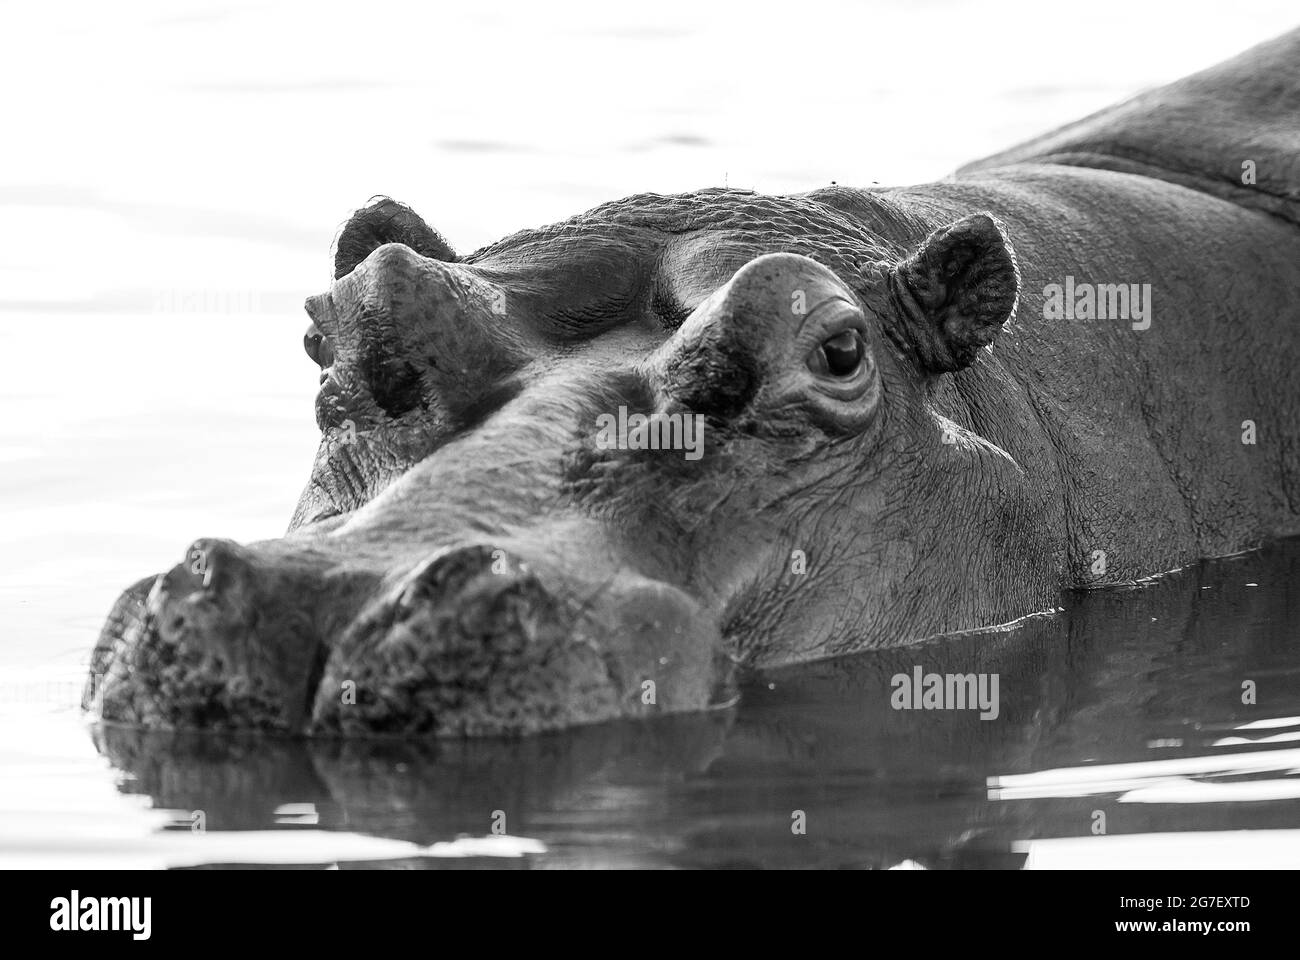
(467, 560)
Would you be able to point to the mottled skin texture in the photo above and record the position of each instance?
(466, 560)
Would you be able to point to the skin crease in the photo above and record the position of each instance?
(465, 560)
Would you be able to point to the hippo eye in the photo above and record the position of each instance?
(318, 348)
(839, 356)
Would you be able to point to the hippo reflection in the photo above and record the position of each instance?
(897, 439)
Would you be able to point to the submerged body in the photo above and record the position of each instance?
(920, 410)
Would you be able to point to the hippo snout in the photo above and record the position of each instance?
(226, 638)
(476, 640)
(473, 640)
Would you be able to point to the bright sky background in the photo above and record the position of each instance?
(220, 145)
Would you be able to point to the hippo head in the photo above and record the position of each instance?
(592, 470)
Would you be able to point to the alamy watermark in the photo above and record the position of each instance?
(51, 692)
(207, 300)
(1098, 301)
(946, 691)
(75, 912)
(654, 431)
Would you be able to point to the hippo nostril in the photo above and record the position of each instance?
(449, 571)
(212, 566)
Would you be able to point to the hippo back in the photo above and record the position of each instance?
(1199, 132)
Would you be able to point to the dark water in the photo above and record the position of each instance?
(1122, 740)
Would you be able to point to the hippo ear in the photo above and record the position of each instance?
(954, 293)
(386, 221)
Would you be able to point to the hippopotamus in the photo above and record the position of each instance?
(605, 468)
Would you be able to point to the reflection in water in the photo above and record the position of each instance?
(1220, 850)
(1122, 739)
(1141, 777)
